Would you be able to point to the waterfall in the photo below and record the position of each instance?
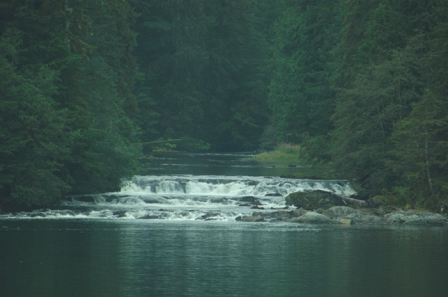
(188, 197)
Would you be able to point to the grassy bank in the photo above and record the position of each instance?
(287, 155)
(284, 153)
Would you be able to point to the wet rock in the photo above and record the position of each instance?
(253, 219)
(412, 217)
(268, 216)
(112, 198)
(347, 216)
(66, 212)
(427, 219)
(386, 209)
(251, 200)
(273, 195)
(120, 214)
(210, 214)
(153, 200)
(244, 204)
(221, 200)
(298, 212)
(283, 215)
(311, 217)
(343, 221)
(148, 217)
(257, 207)
(375, 211)
(340, 211)
(313, 200)
(361, 218)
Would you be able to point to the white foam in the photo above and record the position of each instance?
(187, 197)
(169, 187)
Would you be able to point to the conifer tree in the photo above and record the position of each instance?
(301, 96)
(67, 99)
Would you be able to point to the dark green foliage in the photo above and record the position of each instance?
(202, 61)
(66, 99)
(300, 93)
(33, 132)
(367, 115)
(380, 108)
(377, 86)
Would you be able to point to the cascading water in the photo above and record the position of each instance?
(188, 197)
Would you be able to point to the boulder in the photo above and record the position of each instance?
(120, 213)
(252, 219)
(282, 215)
(148, 217)
(363, 218)
(412, 217)
(311, 218)
(268, 216)
(343, 221)
(250, 200)
(313, 200)
(298, 212)
(209, 215)
(341, 211)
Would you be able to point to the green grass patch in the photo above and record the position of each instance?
(285, 153)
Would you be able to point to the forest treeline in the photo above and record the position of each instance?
(360, 85)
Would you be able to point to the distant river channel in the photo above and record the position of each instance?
(172, 231)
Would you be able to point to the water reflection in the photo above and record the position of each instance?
(144, 258)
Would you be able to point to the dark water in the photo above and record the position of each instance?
(148, 258)
(90, 254)
(219, 164)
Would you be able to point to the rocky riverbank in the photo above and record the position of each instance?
(326, 208)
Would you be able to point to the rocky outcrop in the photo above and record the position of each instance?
(313, 200)
(311, 217)
(340, 211)
(413, 217)
(347, 215)
(324, 207)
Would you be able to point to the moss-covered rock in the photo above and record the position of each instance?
(313, 200)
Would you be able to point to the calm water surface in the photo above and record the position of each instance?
(148, 258)
(124, 256)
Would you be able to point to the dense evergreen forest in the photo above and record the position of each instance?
(360, 85)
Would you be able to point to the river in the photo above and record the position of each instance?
(172, 231)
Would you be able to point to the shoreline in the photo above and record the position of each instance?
(350, 216)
